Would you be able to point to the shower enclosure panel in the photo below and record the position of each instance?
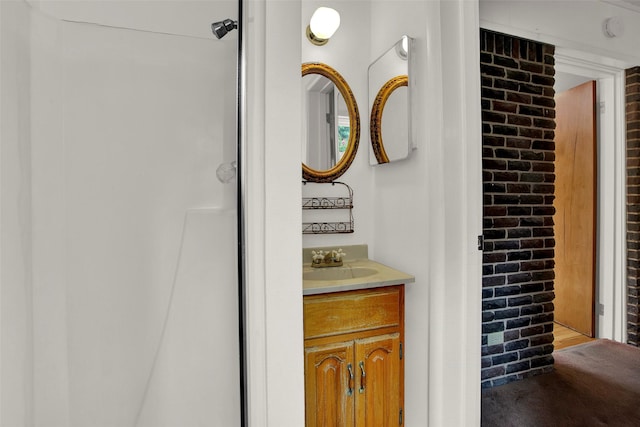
(131, 272)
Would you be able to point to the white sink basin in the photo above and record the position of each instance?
(338, 273)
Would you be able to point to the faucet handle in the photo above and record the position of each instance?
(317, 257)
(337, 255)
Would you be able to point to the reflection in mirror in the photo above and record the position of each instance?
(390, 103)
(326, 123)
(331, 124)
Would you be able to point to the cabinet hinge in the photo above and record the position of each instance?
(401, 351)
(400, 419)
(480, 242)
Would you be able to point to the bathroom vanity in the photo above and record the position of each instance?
(354, 335)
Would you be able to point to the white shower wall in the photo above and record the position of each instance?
(16, 352)
(124, 223)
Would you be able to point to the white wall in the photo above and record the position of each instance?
(272, 200)
(428, 209)
(402, 189)
(16, 356)
(50, 340)
(348, 53)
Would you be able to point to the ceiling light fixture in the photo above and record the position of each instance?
(323, 24)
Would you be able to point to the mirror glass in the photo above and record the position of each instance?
(326, 123)
(331, 125)
(390, 104)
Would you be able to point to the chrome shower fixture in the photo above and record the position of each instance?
(221, 28)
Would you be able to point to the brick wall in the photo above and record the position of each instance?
(518, 176)
(633, 203)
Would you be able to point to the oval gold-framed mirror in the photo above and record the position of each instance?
(376, 115)
(331, 144)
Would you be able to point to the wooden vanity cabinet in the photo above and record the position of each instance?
(354, 368)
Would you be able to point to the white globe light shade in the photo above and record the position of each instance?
(324, 22)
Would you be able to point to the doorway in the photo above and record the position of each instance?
(575, 217)
(573, 69)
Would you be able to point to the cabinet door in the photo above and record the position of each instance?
(378, 381)
(329, 385)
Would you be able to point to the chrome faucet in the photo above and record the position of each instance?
(332, 258)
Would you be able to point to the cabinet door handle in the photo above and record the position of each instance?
(350, 388)
(363, 376)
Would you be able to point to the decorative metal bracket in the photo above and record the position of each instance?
(329, 202)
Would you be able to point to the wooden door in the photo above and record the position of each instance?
(329, 385)
(378, 385)
(575, 203)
